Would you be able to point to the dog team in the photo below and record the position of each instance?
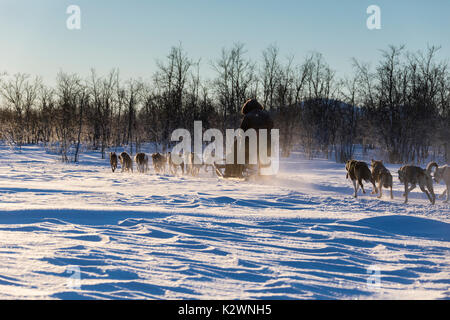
(357, 171)
(409, 175)
(160, 162)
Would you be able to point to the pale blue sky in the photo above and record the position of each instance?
(132, 34)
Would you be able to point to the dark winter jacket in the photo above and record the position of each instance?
(257, 119)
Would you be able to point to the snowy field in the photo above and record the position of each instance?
(79, 231)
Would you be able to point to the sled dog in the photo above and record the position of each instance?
(382, 176)
(359, 171)
(126, 162)
(141, 160)
(113, 161)
(159, 163)
(172, 166)
(413, 175)
(442, 174)
(193, 164)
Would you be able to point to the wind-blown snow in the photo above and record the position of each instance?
(299, 235)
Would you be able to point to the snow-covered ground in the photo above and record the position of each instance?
(70, 231)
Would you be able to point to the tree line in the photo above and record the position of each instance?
(400, 106)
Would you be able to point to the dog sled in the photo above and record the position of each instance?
(242, 172)
(256, 168)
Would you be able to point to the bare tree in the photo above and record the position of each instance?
(21, 94)
(235, 82)
(68, 90)
(131, 98)
(103, 92)
(270, 73)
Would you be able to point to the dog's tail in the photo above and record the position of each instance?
(430, 167)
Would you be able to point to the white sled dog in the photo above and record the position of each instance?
(442, 174)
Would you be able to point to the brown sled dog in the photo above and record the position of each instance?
(441, 173)
(194, 164)
(113, 161)
(141, 160)
(159, 163)
(126, 162)
(359, 171)
(415, 175)
(382, 176)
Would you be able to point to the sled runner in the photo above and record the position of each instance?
(239, 172)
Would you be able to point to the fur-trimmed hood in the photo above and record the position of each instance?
(250, 105)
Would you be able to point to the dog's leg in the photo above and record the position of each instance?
(392, 195)
(355, 187)
(413, 186)
(406, 192)
(362, 186)
(448, 194)
(375, 189)
(428, 195)
(431, 190)
(433, 196)
(381, 189)
(422, 187)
